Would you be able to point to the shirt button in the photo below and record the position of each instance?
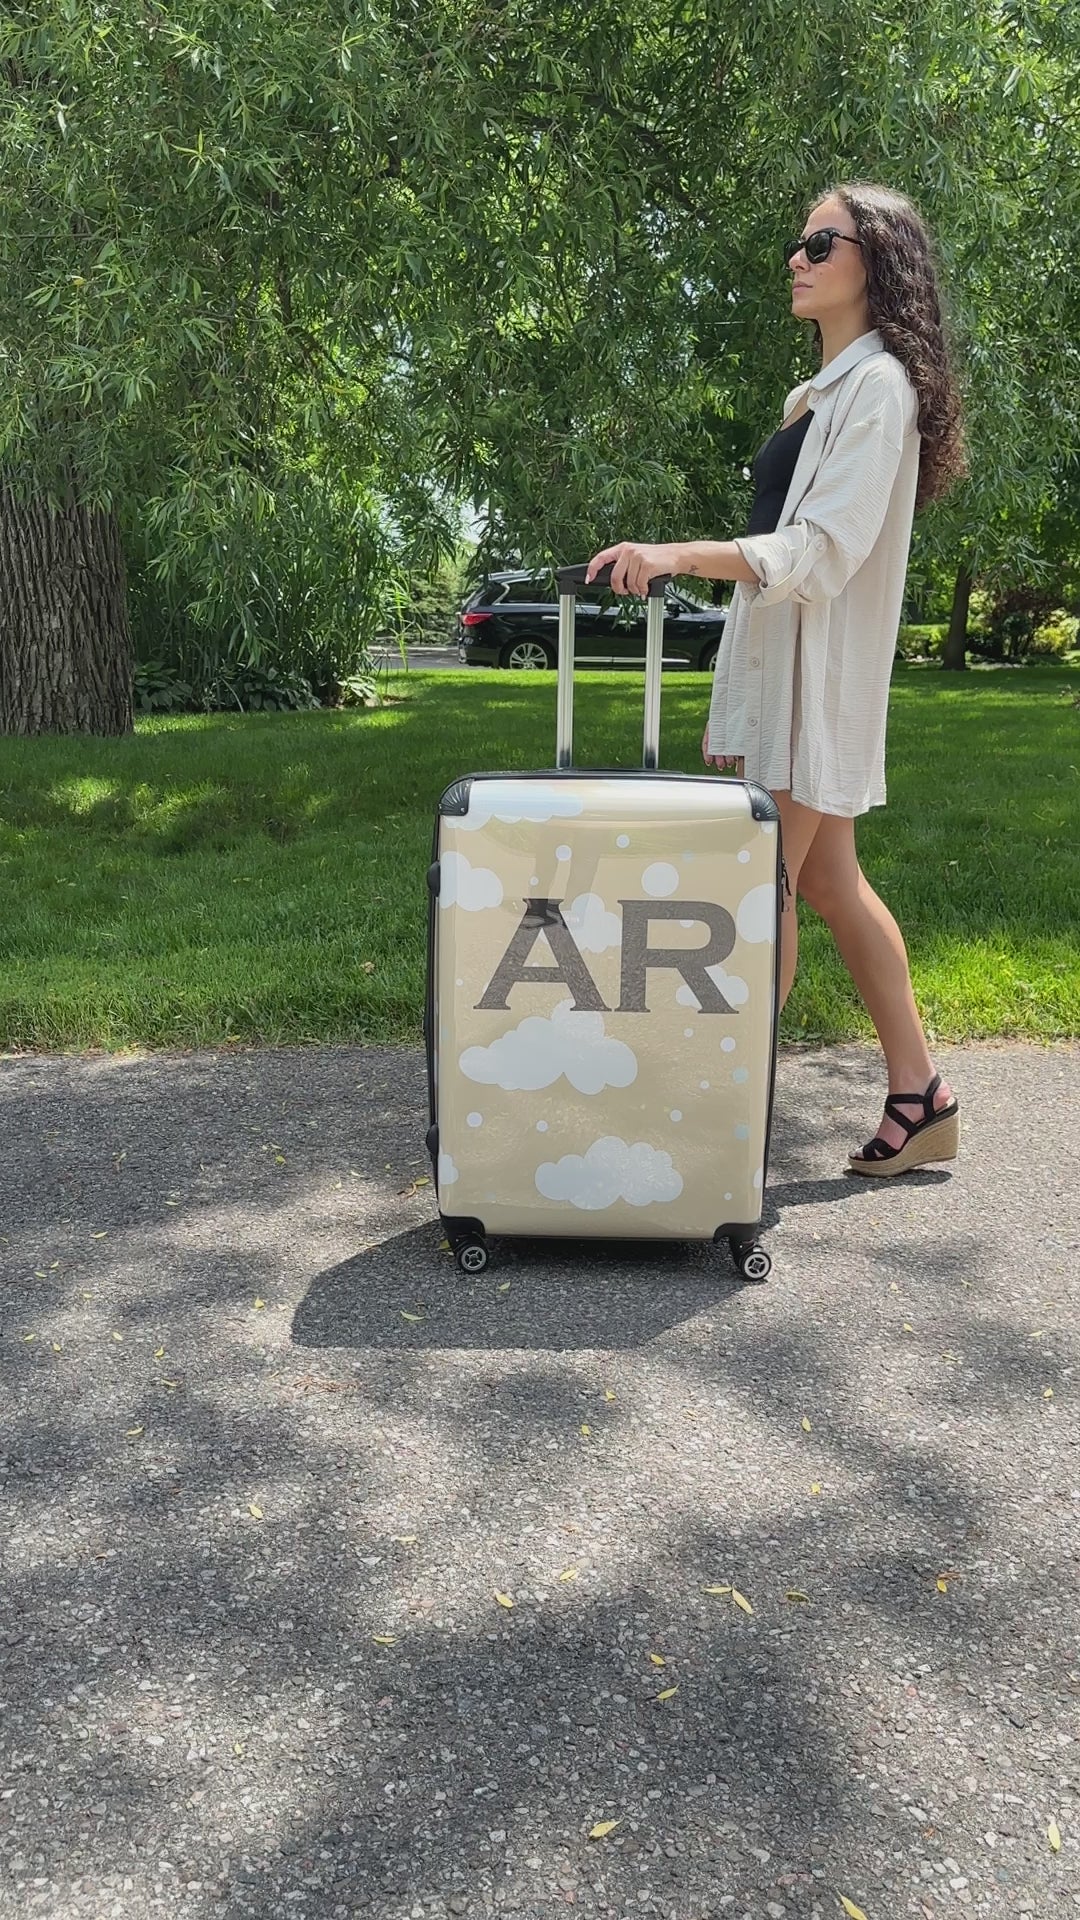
(755, 662)
(752, 723)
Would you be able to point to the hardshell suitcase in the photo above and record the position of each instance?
(603, 995)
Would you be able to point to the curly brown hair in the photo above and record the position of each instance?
(905, 308)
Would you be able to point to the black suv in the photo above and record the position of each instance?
(512, 620)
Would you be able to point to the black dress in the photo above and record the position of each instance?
(773, 468)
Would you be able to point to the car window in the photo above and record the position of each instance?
(529, 591)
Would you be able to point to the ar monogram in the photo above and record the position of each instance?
(637, 957)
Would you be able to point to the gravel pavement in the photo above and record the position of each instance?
(267, 1462)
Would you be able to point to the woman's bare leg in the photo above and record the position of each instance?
(799, 828)
(872, 948)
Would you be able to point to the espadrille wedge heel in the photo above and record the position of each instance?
(935, 1137)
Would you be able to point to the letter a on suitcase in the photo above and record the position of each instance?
(603, 995)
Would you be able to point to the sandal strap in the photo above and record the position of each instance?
(923, 1100)
(879, 1149)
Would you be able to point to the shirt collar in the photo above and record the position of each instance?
(860, 349)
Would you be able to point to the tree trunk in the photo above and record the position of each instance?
(954, 656)
(65, 644)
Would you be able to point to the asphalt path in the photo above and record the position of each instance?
(337, 1584)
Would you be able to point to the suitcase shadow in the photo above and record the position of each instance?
(404, 1295)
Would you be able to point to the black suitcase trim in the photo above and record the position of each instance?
(455, 799)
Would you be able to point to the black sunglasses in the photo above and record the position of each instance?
(817, 246)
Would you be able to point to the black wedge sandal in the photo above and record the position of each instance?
(935, 1137)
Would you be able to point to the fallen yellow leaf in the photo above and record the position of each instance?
(159, 1353)
(404, 1539)
(385, 1639)
(658, 1660)
(133, 1433)
(414, 1319)
(794, 1595)
(668, 1693)
(603, 1828)
(569, 1573)
(259, 1304)
(1048, 1393)
(586, 1429)
(608, 1394)
(716, 1589)
(806, 1426)
(908, 1327)
(56, 1347)
(853, 1912)
(30, 1336)
(238, 1746)
(120, 1337)
(1054, 1836)
(444, 1246)
(504, 1286)
(741, 1600)
(256, 1512)
(504, 1599)
(99, 1236)
(815, 1486)
(942, 1584)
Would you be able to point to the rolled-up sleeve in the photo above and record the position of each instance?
(841, 515)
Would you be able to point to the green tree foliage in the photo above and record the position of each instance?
(281, 285)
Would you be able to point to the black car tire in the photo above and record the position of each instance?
(707, 662)
(527, 655)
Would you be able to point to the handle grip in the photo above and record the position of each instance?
(572, 580)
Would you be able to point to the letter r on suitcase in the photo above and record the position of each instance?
(603, 994)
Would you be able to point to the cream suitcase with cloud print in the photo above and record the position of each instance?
(603, 996)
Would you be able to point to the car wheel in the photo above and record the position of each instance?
(707, 663)
(526, 656)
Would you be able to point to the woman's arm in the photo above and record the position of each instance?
(715, 560)
(634, 565)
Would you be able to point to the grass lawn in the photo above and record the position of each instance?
(261, 877)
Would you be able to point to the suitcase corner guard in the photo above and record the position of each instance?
(456, 797)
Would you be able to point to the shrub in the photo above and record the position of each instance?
(257, 690)
(980, 612)
(1015, 614)
(922, 643)
(157, 689)
(1056, 636)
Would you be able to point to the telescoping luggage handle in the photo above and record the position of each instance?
(571, 581)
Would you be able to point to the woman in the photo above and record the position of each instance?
(802, 679)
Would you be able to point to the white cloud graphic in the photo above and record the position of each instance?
(755, 919)
(661, 879)
(593, 927)
(735, 991)
(448, 1173)
(513, 801)
(538, 1051)
(471, 888)
(610, 1170)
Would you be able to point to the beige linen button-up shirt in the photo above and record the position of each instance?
(801, 688)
